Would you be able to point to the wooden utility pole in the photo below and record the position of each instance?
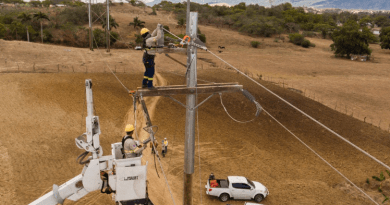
(108, 26)
(90, 26)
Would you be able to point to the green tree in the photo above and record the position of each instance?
(381, 21)
(25, 19)
(2, 30)
(385, 38)
(366, 21)
(35, 3)
(113, 23)
(349, 40)
(137, 23)
(46, 3)
(181, 24)
(324, 29)
(41, 17)
(133, 2)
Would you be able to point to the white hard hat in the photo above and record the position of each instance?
(165, 138)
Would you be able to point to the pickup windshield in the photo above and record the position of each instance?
(251, 183)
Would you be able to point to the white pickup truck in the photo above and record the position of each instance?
(237, 187)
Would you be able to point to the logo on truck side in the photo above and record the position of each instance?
(130, 178)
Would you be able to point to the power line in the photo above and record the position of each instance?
(307, 146)
(109, 66)
(316, 121)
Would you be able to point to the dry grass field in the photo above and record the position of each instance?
(42, 111)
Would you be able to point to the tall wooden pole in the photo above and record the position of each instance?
(90, 26)
(108, 26)
(189, 147)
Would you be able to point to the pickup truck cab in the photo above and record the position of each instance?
(236, 187)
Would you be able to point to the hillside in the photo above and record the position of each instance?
(43, 111)
(354, 4)
(340, 4)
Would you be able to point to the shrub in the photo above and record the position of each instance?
(153, 12)
(166, 28)
(99, 38)
(308, 34)
(2, 30)
(306, 43)
(385, 40)
(276, 40)
(202, 38)
(255, 44)
(47, 36)
(296, 38)
(180, 35)
(121, 3)
(312, 45)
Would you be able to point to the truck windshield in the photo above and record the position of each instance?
(251, 183)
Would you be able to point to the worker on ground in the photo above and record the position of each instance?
(164, 147)
(155, 146)
(150, 41)
(131, 147)
(211, 177)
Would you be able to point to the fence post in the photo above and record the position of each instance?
(86, 69)
(364, 119)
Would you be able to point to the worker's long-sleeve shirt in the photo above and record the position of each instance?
(155, 39)
(131, 148)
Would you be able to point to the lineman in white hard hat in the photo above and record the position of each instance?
(131, 147)
(156, 39)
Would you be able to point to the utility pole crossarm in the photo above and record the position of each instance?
(183, 90)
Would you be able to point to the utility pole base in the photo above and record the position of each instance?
(187, 189)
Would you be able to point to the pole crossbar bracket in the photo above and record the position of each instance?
(168, 50)
(183, 90)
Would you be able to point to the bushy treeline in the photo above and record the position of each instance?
(63, 26)
(260, 21)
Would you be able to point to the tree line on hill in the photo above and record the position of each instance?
(60, 26)
(255, 20)
(350, 32)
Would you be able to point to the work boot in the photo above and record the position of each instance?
(144, 86)
(150, 83)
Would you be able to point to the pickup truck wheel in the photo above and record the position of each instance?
(224, 197)
(259, 198)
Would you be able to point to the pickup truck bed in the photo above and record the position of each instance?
(222, 183)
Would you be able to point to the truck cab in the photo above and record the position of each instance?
(236, 187)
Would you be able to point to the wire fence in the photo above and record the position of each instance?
(7, 66)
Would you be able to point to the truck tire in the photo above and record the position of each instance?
(224, 197)
(259, 198)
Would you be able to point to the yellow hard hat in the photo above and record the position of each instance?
(129, 128)
(144, 30)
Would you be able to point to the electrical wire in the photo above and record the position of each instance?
(220, 96)
(109, 66)
(316, 121)
(308, 147)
